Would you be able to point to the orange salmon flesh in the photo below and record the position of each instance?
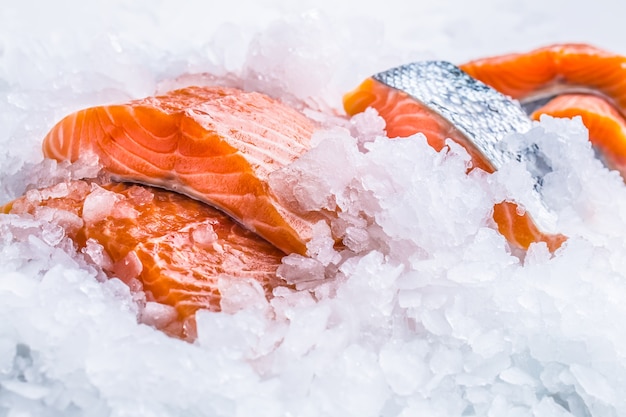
(177, 247)
(554, 69)
(607, 127)
(215, 144)
(405, 116)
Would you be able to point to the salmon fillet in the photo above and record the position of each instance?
(607, 127)
(553, 70)
(215, 144)
(177, 247)
(405, 116)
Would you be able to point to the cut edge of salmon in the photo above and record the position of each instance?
(519, 230)
(606, 126)
(554, 69)
(405, 116)
(176, 247)
(152, 141)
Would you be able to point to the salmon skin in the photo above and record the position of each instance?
(567, 80)
(482, 116)
(216, 144)
(177, 247)
(535, 76)
(441, 101)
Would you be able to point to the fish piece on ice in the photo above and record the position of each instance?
(439, 100)
(215, 144)
(474, 115)
(607, 127)
(553, 70)
(567, 80)
(177, 247)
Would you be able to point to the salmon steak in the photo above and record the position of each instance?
(174, 248)
(215, 144)
(442, 102)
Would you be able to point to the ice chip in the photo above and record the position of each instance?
(66, 220)
(53, 235)
(241, 294)
(446, 361)
(123, 210)
(434, 321)
(367, 126)
(404, 366)
(27, 390)
(234, 335)
(489, 344)
(547, 407)
(321, 246)
(204, 235)
(359, 372)
(158, 315)
(299, 270)
(517, 376)
(140, 195)
(593, 383)
(356, 239)
(97, 254)
(99, 204)
(306, 330)
(56, 191)
(127, 269)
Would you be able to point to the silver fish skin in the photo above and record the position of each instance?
(482, 114)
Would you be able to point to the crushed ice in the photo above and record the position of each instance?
(424, 310)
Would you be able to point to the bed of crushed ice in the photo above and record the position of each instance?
(427, 313)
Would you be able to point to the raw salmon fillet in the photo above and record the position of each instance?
(177, 247)
(215, 144)
(555, 69)
(405, 116)
(607, 127)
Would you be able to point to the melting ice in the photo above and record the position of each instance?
(426, 312)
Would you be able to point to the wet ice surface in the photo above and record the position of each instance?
(427, 311)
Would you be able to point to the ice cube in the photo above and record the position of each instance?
(99, 204)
